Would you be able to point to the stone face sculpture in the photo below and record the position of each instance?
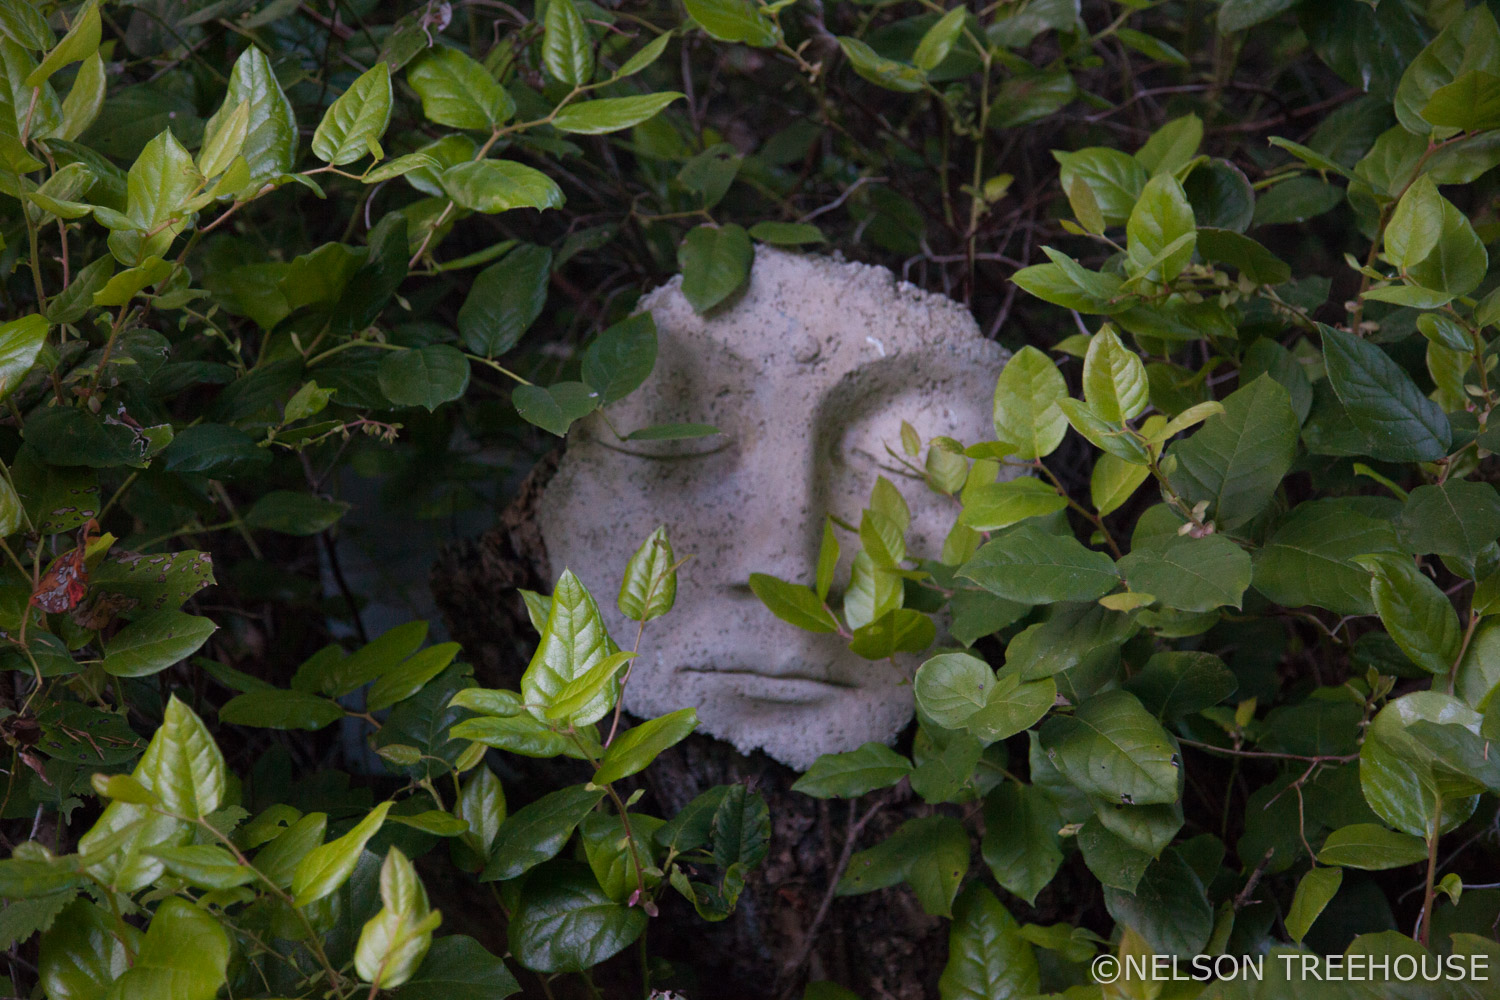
(808, 375)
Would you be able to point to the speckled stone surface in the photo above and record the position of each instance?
(809, 374)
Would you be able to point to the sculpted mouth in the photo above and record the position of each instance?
(788, 688)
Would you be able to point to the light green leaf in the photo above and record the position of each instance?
(1113, 481)
(1026, 411)
(649, 587)
(457, 91)
(1314, 892)
(270, 146)
(155, 642)
(81, 41)
(1161, 230)
(401, 682)
(611, 114)
(567, 46)
(621, 358)
(793, 603)
(938, 40)
(184, 956)
(329, 865)
(85, 98)
(1372, 847)
(638, 746)
(991, 506)
(1114, 378)
(1415, 225)
(183, 765)
(734, 21)
(393, 943)
(353, 125)
(573, 643)
(21, 341)
(481, 805)
(951, 687)
(207, 866)
(492, 186)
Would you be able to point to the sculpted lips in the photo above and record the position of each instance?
(791, 688)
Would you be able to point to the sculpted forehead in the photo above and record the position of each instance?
(808, 374)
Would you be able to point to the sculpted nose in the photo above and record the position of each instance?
(777, 520)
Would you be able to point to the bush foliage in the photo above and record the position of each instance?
(1228, 649)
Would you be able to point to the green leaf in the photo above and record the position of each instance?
(1459, 261)
(22, 918)
(1253, 260)
(566, 923)
(1114, 378)
(828, 560)
(336, 675)
(1309, 560)
(1027, 416)
(1174, 684)
(270, 146)
(1012, 705)
(1237, 459)
(991, 506)
(649, 587)
(183, 765)
(622, 358)
(158, 185)
(539, 831)
(988, 959)
(638, 746)
(504, 300)
(1296, 200)
(734, 21)
(1172, 146)
(1031, 566)
(155, 642)
(1237, 15)
(492, 186)
(1415, 611)
(1471, 103)
(1168, 908)
(207, 866)
(555, 407)
(611, 114)
(1113, 749)
(715, 261)
(951, 687)
(329, 865)
(1113, 481)
(1470, 41)
(1453, 518)
(1021, 845)
(1190, 574)
(1116, 178)
(457, 91)
(572, 644)
(1372, 847)
(931, 854)
(1404, 781)
(1161, 231)
(786, 234)
(1314, 892)
(567, 46)
(292, 513)
(21, 341)
(81, 41)
(459, 968)
(938, 40)
(583, 689)
(353, 125)
(645, 56)
(424, 376)
(1415, 225)
(184, 956)
(84, 952)
(852, 774)
(274, 709)
(411, 676)
(481, 805)
(1116, 439)
(793, 603)
(279, 859)
(1395, 420)
(394, 941)
(902, 630)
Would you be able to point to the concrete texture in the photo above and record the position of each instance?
(809, 374)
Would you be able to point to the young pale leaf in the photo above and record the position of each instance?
(1114, 378)
(1027, 416)
(735, 21)
(611, 114)
(938, 41)
(85, 98)
(583, 689)
(573, 643)
(1371, 847)
(182, 765)
(649, 588)
(393, 943)
(457, 91)
(634, 749)
(1415, 225)
(329, 866)
(850, 775)
(992, 506)
(81, 41)
(481, 804)
(353, 124)
(567, 46)
(648, 54)
(492, 186)
(1161, 231)
(270, 145)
